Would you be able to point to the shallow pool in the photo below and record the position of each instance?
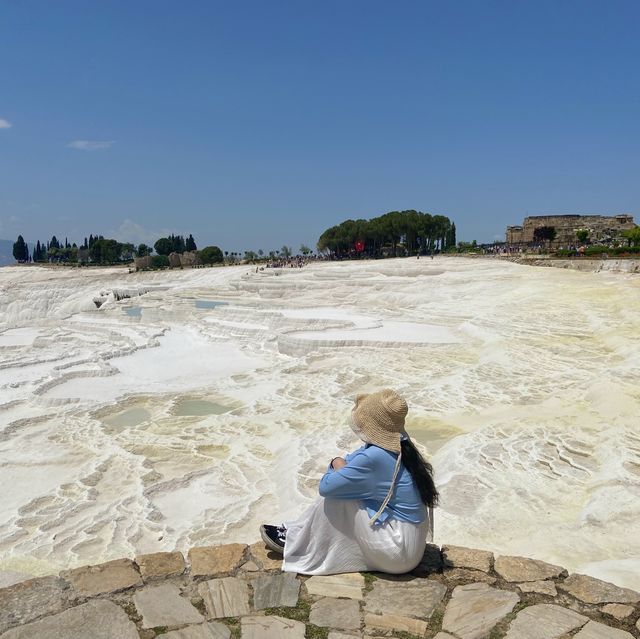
(199, 407)
(208, 304)
(128, 418)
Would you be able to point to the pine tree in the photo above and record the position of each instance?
(20, 250)
(190, 244)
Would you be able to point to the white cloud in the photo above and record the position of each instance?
(130, 231)
(5, 124)
(90, 145)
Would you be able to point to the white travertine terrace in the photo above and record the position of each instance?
(522, 384)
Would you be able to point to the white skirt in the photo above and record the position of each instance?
(334, 536)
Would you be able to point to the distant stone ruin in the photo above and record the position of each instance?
(601, 228)
(142, 263)
(188, 259)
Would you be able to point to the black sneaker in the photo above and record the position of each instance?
(274, 537)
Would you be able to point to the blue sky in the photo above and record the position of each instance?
(254, 124)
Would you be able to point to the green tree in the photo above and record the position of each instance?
(37, 253)
(159, 262)
(128, 251)
(452, 235)
(286, 251)
(105, 251)
(20, 250)
(143, 250)
(190, 244)
(163, 246)
(305, 250)
(211, 255)
(633, 236)
(177, 243)
(582, 235)
(544, 234)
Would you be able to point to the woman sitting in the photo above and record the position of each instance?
(375, 506)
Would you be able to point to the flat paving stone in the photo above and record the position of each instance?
(271, 628)
(539, 587)
(461, 557)
(343, 614)
(159, 565)
(98, 619)
(595, 630)
(25, 601)
(618, 611)
(267, 558)
(523, 569)
(405, 598)
(227, 597)
(210, 630)
(163, 606)
(250, 566)
(475, 609)
(544, 621)
(343, 635)
(595, 591)
(112, 576)
(349, 585)
(215, 561)
(274, 591)
(395, 623)
(467, 575)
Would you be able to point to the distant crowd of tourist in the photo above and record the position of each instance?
(295, 261)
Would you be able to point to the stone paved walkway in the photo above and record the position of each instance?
(238, 592)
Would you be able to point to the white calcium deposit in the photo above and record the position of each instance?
(212, 402)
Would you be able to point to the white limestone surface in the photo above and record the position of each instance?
(153, 424)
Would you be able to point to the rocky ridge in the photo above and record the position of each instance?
(237, 591)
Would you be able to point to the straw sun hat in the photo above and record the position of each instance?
(380, 416)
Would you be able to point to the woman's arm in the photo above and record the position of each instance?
(352, 481)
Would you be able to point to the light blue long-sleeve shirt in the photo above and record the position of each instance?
(367, 476)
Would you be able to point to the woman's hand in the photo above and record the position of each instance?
(337, 463)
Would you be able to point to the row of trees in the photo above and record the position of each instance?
(284, 252)
(174, 244)
(395, 233)
(98, 250)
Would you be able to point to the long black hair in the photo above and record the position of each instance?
(421, 471)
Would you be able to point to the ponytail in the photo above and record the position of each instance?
(421, 471)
